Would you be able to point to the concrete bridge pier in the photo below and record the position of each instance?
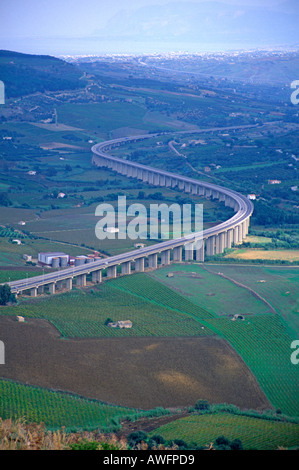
(165, 258)
(222, 242)
(126, 267)
(111, 272)
(200, 251)
(174, 183)
(153, 261)
(177, 254)
(41, 289)
(151, 177)
(145, 176)
(52, 288)
(81, 280)
(229, 238)
(162, 180)
(139, 265)
(168, 181)
(69, 283)
(156, 179)
(33, 292)
(236, 235)
(96, 276)
(194, 189)
(210, 246)
(188, 248)
(187, 187)
(240, 233)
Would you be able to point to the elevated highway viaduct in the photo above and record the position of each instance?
(212, 241)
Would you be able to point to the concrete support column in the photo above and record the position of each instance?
(162, 180)
(41, 289)
(194, 189)
(33, 292)
(126, 267)
(151, 177)
(177, 253)
(168, 181)
(139, 265)
(210, 246)
(145, 176)
(96, 276)
(187, 188)
(111, 271)
(229, 238)
(69, 283)
(81, 280)
(221, 242)
(139, 174)
(236, 234)
(200, 253)
(217, 244)
(153, 260)
(240, 233)
(181, 185)
(174, 182)
(52, 288)
(188, 252)
(156, 180)
(245, 228)
(201, 191)
(165, 257)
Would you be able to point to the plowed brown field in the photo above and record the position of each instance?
(135, 372)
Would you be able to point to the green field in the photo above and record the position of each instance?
(210, 291)
(277, 284)
(254, 433)
(56, 409)
(262, 339)
(81, 314)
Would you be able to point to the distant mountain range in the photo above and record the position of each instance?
(207, 23)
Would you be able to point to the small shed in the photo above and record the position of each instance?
(121, 324)
(20, 319)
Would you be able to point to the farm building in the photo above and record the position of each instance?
(121, 324)
(47, 257)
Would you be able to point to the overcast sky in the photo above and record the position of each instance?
(32, 19)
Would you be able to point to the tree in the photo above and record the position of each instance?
(4, 201)
(202, 405)
(6, 295)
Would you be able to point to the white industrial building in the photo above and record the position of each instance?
(46, 258)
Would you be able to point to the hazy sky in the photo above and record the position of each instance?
(48, 18)
(32, 19)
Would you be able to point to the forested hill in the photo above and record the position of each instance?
(24, 74)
